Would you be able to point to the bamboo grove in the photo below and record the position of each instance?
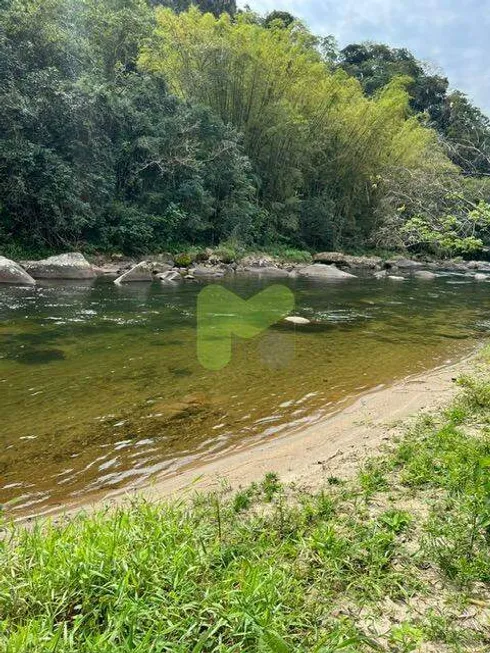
(132, 126)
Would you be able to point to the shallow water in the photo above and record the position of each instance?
(101, 387)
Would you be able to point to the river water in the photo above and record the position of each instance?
(101, 388)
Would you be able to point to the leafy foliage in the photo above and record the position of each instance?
(451, 233)
(137, 125)
(375, 65)
(92, 149)
(315, 141)
(463, 127)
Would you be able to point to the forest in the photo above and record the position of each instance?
(138, 125)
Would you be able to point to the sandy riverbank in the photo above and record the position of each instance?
(336, 446)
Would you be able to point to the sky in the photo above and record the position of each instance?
(452, 36)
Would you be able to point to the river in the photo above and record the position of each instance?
(101, 388)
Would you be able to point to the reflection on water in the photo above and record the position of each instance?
(101, 388)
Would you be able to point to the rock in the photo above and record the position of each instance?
(11, 272)
(320, 271)
(403, 263)
(481, 266)
(369, 262)
(481, 277)
(381, 274)
(329, 258)
(189, 405)
(144, 271)
(451, 266)
(395, 278)
(294, 319)
(257, 261)
(169, 277)
(347, 261)
(269, 272)
(72, 265)
(206, 272)
(424, 274)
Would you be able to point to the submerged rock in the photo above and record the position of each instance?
(382, 274)
(481, 277)
(72, 265)
(11, 272)
(144, 271)
(320, 271)
(425, 274)
(188, 406)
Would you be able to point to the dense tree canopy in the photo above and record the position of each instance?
(465, 130)
(92, 149)
(284, 17)
(136, 125)
(315, 140)
(375, 65)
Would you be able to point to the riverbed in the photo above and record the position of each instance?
(101, 388)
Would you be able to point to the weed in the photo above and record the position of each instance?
(271, 485)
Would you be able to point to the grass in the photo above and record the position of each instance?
(287, 254)
(397, 559)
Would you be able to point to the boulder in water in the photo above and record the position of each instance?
(11, 272)
(269, 272)
(72, 265)
(320, 271)
(348, 261)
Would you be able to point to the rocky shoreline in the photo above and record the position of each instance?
(208, 266)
